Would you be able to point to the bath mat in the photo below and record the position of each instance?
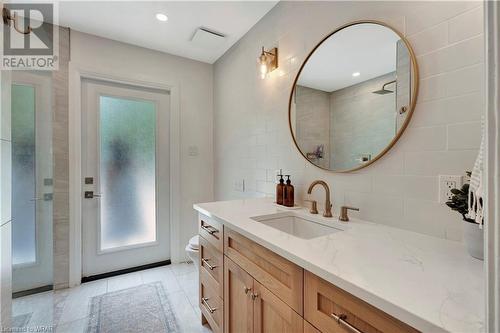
(144, 308)
(21, 321)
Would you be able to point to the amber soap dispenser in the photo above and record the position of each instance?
(288, 195)
(280, 188)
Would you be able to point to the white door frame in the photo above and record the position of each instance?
(492, 170)
(77, 72)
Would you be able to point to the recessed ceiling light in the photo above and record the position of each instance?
(161, 17)
(356, 74)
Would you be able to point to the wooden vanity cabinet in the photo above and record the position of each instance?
(332, 310)
(238, 310)
(252, 308)
(211, 261)
(251, 289)
(282, 277)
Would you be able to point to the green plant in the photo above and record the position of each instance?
(460, 202)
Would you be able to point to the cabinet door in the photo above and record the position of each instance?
(272, 315)
(308, 328)
(238, 304)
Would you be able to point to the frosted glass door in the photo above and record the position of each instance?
(128, 171)
(31, 181)
(126, 221)
(23, 175)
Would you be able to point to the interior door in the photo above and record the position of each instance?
(238, 303)
(125, 148)
(31, 180)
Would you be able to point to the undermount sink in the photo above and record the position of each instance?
(296, 225)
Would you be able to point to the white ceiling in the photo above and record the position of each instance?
(369, 49)
(134, 22)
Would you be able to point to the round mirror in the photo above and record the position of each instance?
(353, 96)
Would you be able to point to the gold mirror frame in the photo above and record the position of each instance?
(415, 82)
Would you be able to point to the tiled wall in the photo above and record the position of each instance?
(251, 132)
(312, 122)
(362, 123)
(60, 155)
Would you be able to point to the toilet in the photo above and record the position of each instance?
(192, 250)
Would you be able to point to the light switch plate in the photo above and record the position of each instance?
(193, 151)
(446, 184)
(239, 185)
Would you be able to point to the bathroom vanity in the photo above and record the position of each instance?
(263, 268)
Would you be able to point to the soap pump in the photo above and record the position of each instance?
(288, 195)
(280, 188)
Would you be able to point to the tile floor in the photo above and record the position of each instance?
(67, 310)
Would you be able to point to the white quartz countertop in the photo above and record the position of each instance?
(429, 283)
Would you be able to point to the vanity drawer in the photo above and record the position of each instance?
(323, 300)
(211, 305)
(212, 231)
(282, 277)
(211, 263)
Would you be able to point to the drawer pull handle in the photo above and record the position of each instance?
(210, 230)
(340, 319)
(246, 289)
(210, 267)
(205, 303)
(254, 296)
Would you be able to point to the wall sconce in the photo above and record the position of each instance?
(8, 18)
(268, 61)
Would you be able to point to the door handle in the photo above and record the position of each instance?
(209, 308)
(341, 320)
(46, 197)
(205, 261)
(210, 230)
(91, 195)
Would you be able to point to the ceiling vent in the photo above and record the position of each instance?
(208, 38)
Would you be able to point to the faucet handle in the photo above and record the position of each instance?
(314, 206)
(343, 213)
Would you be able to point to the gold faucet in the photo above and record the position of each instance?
(328, 205)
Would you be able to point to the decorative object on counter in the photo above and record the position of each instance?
(476, 189)
(473, 235)
(353, 96)
(284, 208)
(279, 190)
(288, 193)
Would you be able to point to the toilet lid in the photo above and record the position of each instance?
(194, 242)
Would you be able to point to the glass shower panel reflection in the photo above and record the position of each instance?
(23, 175)
(127, 172)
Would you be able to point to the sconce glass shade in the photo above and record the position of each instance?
(268, 61)
(263, 64)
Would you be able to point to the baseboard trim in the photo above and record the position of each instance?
(125, 271)
(28, 292)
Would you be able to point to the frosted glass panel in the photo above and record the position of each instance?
(23, 175)
(127, 171)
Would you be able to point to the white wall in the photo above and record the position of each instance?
(5, 202)
(252, 138)
(196, 107)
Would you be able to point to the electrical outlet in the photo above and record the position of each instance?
(446, 184)
(239, 185)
